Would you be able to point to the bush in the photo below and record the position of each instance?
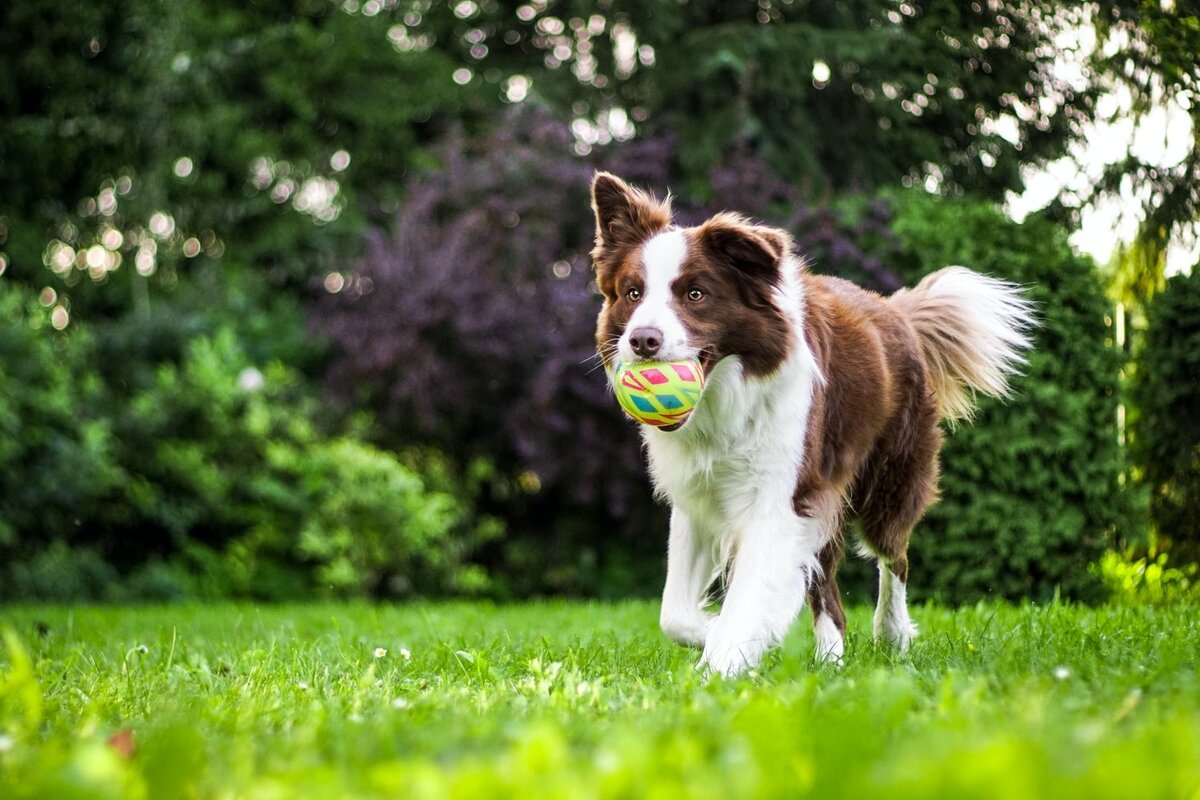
(1133, 579)
(203, 477)
(56, 460)
(61, 574)
(1166, 430)
(1030, 491)
(358, 523)
(225, 457)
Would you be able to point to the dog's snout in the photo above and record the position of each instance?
(645, 341)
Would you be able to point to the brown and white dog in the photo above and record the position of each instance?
(822, 399)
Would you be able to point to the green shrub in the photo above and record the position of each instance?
(226, 459)
(56, 460)
(354, 521)
(1030, 492)
(202, 475)
(1147, 580)
(60, 573)
(1166, 431)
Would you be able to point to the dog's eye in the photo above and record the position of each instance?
(634, 295)
(695, 295)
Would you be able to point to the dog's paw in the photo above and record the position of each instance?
(830, 643)
(728, 654)
(724, 662)
(899, 635)
(904, 637)
(691, 631)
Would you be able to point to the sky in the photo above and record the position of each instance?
(1162, 137)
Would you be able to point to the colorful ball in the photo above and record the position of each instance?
(659, 393)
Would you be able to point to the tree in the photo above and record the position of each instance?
(1151, 51)
(1166, 430)
(171, 134)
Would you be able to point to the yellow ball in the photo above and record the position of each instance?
(659, 393)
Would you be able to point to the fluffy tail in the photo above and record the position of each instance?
(972, 329)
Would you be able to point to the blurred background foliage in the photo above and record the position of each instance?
(295, 293)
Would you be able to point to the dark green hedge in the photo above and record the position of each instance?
(1030, 488)
(1166, 434)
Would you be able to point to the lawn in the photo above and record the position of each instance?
(588, 700)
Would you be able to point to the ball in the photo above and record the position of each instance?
(659, 393)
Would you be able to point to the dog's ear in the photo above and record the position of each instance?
(625, 215)
(754, 252)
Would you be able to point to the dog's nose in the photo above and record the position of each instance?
(645, 341)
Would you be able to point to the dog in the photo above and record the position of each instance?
(822, 400)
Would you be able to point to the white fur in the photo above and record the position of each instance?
(1000, 320)
(992, 318)
(691, 568)
(662, 257)
(830, 645)
(891, 614)
(729, 474)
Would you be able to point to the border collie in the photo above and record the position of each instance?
(823, 399)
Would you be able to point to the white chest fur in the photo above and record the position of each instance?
(738, 458)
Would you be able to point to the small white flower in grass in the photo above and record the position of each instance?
(380, 652)
(400, 703)
(1061, 673)
(406, 654)
(302, 685)
(6, 743)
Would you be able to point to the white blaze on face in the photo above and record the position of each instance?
(662, 258)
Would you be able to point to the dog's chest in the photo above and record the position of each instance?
(743, 456)
(702, 479)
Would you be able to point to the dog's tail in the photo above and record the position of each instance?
(973, 331)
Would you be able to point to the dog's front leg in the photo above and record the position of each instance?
(690, 570)
(774, 562)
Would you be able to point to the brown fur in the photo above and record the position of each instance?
(873, 435)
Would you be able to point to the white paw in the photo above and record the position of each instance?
(830, 655)
(830, 642)
(898, 634)
(692, 630)
(905, 636)
(728, 655)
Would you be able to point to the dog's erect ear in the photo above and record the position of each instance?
(753, 251)
(625, 215)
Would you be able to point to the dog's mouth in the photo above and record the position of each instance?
(706, 359)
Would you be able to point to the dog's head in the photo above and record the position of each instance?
(677, 293)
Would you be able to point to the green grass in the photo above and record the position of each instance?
(588, 700)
